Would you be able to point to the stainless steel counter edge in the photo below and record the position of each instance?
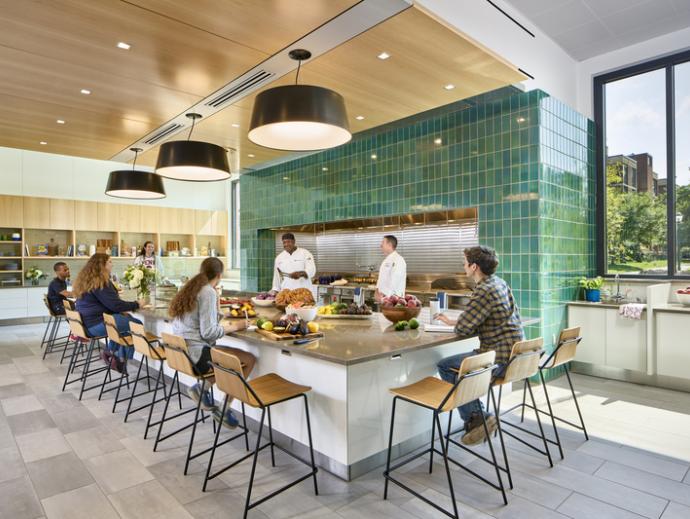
(437, 339)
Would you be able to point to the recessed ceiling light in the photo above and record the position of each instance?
(251, 155)
(123, 45)
(360, 117)
(521, 119)
(383, 55)
(374, 156)
(43, 143)
(235, 125)
(449, 86)
(60, 121)
(324, 169)
(85, 91)
(438, 141)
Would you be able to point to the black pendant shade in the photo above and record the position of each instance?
(299, 118)
(193, 161)
(128, 183)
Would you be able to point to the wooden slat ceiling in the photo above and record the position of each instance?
(182, 51)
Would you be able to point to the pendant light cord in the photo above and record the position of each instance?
(192, 128)
(299, 65)
(134, 164)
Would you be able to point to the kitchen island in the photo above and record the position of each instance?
(350, 371)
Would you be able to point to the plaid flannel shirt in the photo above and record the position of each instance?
(494, 316)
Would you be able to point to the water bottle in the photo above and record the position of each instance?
(434, 308)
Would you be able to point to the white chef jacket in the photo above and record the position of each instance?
(392, 275)
(300, 260)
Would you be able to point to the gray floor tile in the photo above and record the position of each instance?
(30, 365)
(30, 422)
(12, 390)
(18, 500)
(148, 500)
(578, 506)
(12, 464)
(93, 442)
(676, 511)
(371, 505)
(519, 508)
(221, 504)
(74, 419)
(42, 444)
(79, 504)
(117, 470)
(20, 404)
(646, 482)
(185, 488)
(58, 474)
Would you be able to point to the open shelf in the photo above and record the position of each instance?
(9, 271)
(17, 242)
(35, 238)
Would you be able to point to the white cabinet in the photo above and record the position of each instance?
(35, 307)
(626, 341)
(12, 303)
(609, 339)
(592, 321)
(672, 344)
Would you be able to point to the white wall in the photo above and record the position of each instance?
(656, 47)
(553, 69)
(31, 173)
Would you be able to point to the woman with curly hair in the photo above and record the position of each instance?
(97, 295)
(196, 314)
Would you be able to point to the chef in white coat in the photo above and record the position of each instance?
(294, 267)
(393, 270)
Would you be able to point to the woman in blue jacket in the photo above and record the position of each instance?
(97, 295)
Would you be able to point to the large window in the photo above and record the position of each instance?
(643, 196)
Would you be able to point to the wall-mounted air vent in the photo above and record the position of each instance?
(237, 88)
(162, 134)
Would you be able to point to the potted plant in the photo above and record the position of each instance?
(34, 274)
(592, 288)
(140, 278)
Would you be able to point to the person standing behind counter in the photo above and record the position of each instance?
(294, 267)
(392, 272)
(149, 259)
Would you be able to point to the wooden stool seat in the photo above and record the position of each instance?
(429, 391)
(272, 388)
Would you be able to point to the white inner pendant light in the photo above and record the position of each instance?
(299, 117)
(193, 161)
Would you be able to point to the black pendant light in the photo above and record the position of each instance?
(130, 183)
(193, 161)
(299, 117)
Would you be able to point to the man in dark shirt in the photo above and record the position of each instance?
(493, 315)
(57, 290)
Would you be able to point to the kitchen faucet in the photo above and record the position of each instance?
(618, 297)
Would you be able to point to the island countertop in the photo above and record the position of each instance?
(348, 342)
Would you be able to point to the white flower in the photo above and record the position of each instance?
(138, 275)
(134, 283)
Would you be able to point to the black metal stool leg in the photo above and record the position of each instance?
(493, 458)
(165, 412)
(431, 453)
(45, 333)
(445, 462)
(311, 446)
(72, 360)
(553, 420)
(577, 406)
(196, 419)
(213, 449)
(256, 457)
(541, 428)
(270, 437)
(244, 422)
(134, 388)
(159, 380)
(85, 369)
(497, 410)
(390, 446)
(524, 400)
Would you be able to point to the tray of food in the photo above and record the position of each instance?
(287, 327)
(288, 297)
(344, 311)
(235, 309)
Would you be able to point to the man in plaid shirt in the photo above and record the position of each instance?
(493, 316)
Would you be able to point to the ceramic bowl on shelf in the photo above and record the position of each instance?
(683, 299)
(404, 313)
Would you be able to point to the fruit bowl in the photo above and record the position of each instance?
(263, 302)
(683, 299)
(404, 313)
(306, 314)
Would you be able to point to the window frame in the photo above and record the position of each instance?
(666, 63)
(234, 223)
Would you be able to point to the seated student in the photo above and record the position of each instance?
(493, 315)
(97, 295)
(195, 309)
(57, 290)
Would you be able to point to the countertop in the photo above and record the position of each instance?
(601, 305)
(349, 341)
(673, 307)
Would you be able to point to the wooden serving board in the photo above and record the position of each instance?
(288, 336)
(345, 316)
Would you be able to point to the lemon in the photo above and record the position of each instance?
(268, 326)
(313, 327)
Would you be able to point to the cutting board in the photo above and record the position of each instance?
(288, 336)
(345, 316)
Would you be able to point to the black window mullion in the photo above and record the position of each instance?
(671, 170)
(601, 247)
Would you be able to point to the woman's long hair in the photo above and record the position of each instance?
(93, 276)
(142, 252)
(185, 300)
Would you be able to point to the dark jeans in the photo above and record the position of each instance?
(122, 321)
(447, 374)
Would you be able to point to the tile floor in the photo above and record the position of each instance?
(61, 458)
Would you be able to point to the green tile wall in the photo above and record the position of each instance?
(522, 158)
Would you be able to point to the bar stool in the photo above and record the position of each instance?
(522, 365)
(85, 344)
(260, 393)
(148, 346)
(124, 341)
(439, 396)
(177, 357)
(565, 351)
(50, 337)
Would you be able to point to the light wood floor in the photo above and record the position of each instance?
(61, 458)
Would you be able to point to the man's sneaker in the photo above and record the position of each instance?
(474, 429)
(106, 356)
(195, 394)
(227, 420)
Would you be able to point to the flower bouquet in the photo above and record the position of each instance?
(34, 274)
(140, 278)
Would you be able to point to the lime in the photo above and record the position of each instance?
(413, 323)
